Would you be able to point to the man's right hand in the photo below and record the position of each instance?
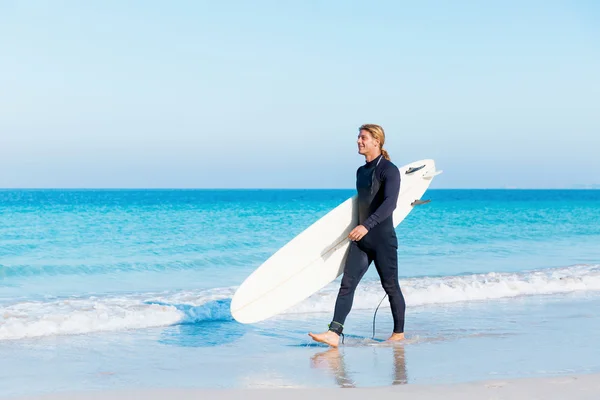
(358, 233)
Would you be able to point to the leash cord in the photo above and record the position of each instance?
(376, 314)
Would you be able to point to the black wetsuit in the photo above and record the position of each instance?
(377, 184)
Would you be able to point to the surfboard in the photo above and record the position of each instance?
(316, 256)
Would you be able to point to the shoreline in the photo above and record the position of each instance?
(573, 386)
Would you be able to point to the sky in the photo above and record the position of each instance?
(270, 94)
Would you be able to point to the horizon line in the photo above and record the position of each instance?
(591, 187)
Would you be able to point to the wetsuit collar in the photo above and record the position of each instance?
(374, 161)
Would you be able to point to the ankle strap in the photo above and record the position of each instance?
(336, 327)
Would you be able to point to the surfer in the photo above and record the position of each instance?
(374, 239)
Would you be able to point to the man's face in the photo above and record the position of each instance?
(366, 143)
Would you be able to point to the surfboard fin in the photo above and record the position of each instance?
(419, 202)
(414, 169)
(430, 175)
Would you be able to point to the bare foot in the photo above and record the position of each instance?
(396, 337)
(330, 338)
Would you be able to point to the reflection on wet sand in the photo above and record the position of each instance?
(333, 361)
(400, 377)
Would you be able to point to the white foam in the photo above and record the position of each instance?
(96, 314)
(476, 287)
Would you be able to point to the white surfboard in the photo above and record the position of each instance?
(316, 256)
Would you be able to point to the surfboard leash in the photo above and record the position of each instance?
(375, 314)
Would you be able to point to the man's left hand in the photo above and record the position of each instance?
(358, 233)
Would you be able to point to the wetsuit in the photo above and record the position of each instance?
(377, 184)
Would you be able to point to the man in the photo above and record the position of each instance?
(374, 239)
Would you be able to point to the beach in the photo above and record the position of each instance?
(578, 387)
(126, 293)
(154, 155)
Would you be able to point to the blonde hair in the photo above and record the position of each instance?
(377, 133)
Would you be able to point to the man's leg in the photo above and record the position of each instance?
(357, 264)
(386, 262)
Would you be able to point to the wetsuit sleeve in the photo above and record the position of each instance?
(391, 186)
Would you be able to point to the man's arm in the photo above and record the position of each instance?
(391, 187)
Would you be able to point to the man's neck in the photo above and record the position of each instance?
(371, 157)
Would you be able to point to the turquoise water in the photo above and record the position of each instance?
(127, 288)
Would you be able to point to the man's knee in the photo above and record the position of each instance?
(348, 285)
(390, 285)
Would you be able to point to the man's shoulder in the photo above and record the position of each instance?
(388, 168)
(388, 163)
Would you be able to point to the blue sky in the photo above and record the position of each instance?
(267, 94)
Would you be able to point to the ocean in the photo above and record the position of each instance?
(104, 289)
